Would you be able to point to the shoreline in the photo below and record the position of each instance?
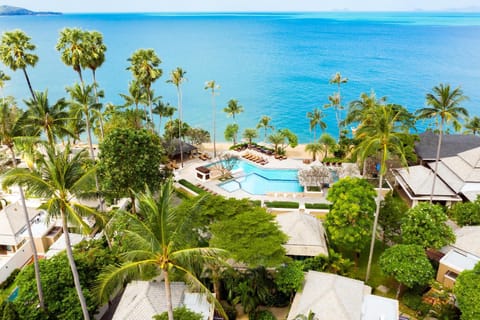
(297, 152)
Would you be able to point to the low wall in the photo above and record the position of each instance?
(16, 260)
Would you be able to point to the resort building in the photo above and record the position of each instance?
(306, 235)
(458, 174)
(464, 254)
(331, 296)
(142, 300)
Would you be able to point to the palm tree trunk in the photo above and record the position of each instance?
(214, 125)
(29, 84)
(180, 123)
(437, 159)
(73, 267)
(375, 222)
(399, 291)
(92, 156)
(79, 71)
(36, 265)
(168, 295)
(150, 108)
(96, 101)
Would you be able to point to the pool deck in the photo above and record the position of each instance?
(188, 173)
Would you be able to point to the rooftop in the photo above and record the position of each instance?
(452, 144)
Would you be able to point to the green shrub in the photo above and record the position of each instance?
(282, 204)
(191, 186)
(414, 301)
(317, 206)
(466, 214)
(180, 313)
(229, 309)
(262, 315)
(10, 279)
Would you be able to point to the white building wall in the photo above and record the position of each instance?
(17, 260)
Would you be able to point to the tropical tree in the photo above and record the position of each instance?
(177, 77)
(314, 148)
(41, 117)
(15, 53)
(336, 99)
(316, 117)
(162, 110)
(144, 67)
(467, 288)
(264, 124)
(381, 131)
(472, 126)
(327, 142)
(151, 248)
(408, 264)
(276, 139)
(444, 105)
(231, 132)
(71, 45)
(94, 54)
(250, 134)
(10, 129)
(136, 96)
(214, 87)
(3, 77)
(358, 108)
(62, 179)
(233, 108)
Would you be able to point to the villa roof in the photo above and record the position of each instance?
(59, 245)
(459, 261)
(468, 239)
(306, 235)
(186, 147)
(452, 144)
(417, 181)
(12, 222)
(144, 299)
(331, 296)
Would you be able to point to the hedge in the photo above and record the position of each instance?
(317, 206)
(191, 186)
(282, 204)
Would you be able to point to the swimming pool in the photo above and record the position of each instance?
(257, 180)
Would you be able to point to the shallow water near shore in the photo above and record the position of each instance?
(274, 64)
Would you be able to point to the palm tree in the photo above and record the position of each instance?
(250, 134)
(71, 45)
(49, 119)
(336, 99)
(445, 106)
(94, 54)
(316, 117)
(233, 108)
(152, 248)
(3, 77)
(276, 139)
(15, 53)
(177, 77)
(265, 124)
(136, 96)
(61, 179)
(213, 86)
(9, 130)
(382, 132)
(314, 148)
(358, 108)
(144, 67)
(162, 110)
(327, 142)
(472, 126)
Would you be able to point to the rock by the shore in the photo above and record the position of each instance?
(17, 11)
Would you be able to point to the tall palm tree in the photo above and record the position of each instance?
(214, 87)
(15, 53)
(315, 118)
(358, 108)
(71, 45)
(382, 132)
(9, 130)
(163, 110)
(314, 148)
(49, 119)
(327, 142)
(265, 124)
(144, 67)
(336, 99)
(444, 106)
(136, 96)
(151, 244)
(233, 108)
(3, 77)
(94, 54)
(61, 179)
(472, 126)
(177, 77)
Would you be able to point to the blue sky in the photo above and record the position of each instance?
(242, 5)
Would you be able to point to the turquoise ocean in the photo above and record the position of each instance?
(275, 64)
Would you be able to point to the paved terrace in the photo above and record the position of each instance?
(188, 173)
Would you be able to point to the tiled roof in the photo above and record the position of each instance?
(452, 144)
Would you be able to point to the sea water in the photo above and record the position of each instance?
(274, 64)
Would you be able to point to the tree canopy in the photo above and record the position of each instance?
(467, 292)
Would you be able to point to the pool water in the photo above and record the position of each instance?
(257, 180)
(13, 295)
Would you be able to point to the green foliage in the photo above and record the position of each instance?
(8, 311)
(129, 160)
(333, 263)
(180, 313)
(467, 291)
(414, 301)
(408, 264)
(349, 221)
(251, 237)
(10, 279)
(282, 204)
(191, 186)
(262, 315)
(60, 295)
(231, 132)
(317, 206)
(392, 211)
(289, 278)
(425, 225)
(466, 213)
